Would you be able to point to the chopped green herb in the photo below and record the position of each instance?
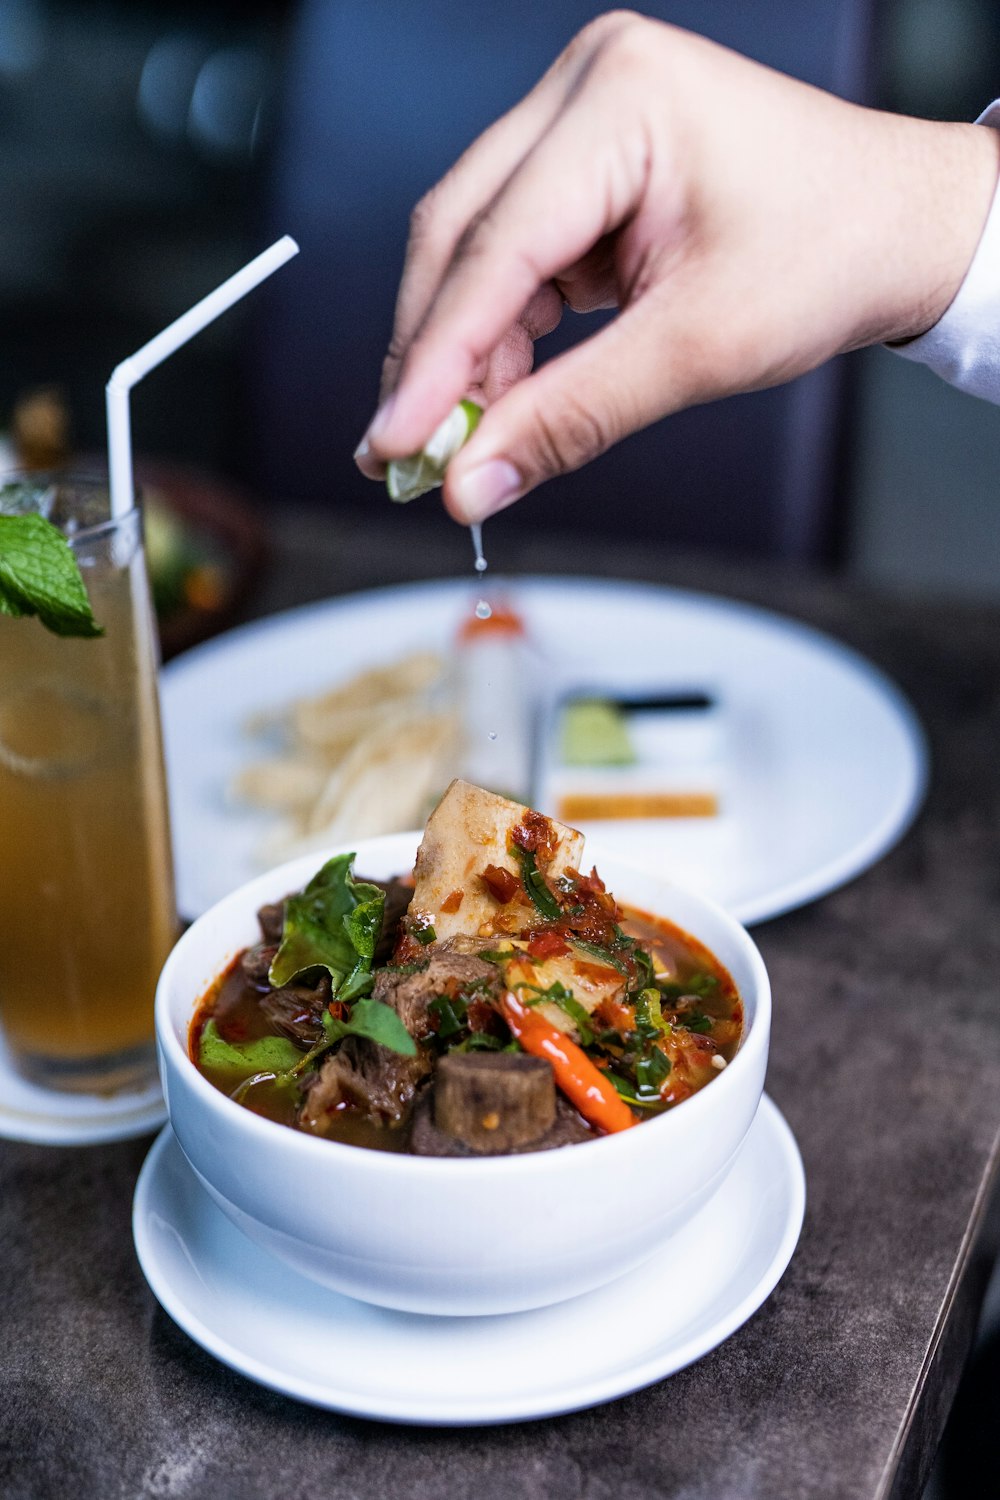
(451, 1014)
(700, 985)
(423, 932)
(558, 994)
(695, 1020)
(402, 969)
(534, 883)
(627, 1092)
(648, 1016)
(604, 955)
(651, 1072)
(480, 1041)
(496, 955)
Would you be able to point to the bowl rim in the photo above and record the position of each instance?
(173, 1053)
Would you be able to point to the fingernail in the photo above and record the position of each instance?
(380, 421)
(487, 488)
(364, 448)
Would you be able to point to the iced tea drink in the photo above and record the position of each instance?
(86, 888)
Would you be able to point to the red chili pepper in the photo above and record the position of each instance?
(582, 1083)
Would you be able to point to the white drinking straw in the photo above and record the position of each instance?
(131, 370)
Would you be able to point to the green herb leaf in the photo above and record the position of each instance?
(558, 994)
(650, 1072)
(424, 933)
(695, 1020)
(627, 1092)
(699, 984)
(605, 955)
(534, 884)
(334, 925)
(377, 1022)
(39, 576)
(268, 1054)
(451, 1014)
(649, 1022)
(481, 1041)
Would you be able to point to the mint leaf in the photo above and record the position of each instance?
(39, 576)
(334, 925)
(268, 1054)
(376, 1021)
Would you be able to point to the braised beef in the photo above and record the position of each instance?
(296, 1011)
(272, 921)
(448, 972)
(366, 1077)
(255, 963)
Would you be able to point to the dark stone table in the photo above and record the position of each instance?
(885, 1061)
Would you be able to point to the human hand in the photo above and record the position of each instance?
(747, 226)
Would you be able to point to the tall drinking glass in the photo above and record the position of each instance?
(87, 912)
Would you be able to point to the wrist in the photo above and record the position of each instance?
(948, 180)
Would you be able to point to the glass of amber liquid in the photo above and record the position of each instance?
(87, 912)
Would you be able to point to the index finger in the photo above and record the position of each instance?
(573, 187)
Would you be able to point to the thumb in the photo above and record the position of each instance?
(564, 415)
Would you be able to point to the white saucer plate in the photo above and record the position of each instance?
(52, 1118)
(820, 760)
(298, 1338)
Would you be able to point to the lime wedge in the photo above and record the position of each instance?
(407, 478)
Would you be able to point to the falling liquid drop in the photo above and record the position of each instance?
(477, 542)
(492, 734)
(483, 610)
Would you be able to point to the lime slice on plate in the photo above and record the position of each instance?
(406, 478)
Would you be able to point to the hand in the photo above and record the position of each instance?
(747, 227)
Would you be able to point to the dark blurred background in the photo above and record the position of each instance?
(148, 149)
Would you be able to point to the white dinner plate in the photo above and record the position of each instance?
(264, 1320)
(53, 1118)
(819, 761)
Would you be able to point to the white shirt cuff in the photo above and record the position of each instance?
(963, 347)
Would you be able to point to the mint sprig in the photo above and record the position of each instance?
(39, 576)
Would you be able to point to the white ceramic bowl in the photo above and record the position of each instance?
(454, 1235)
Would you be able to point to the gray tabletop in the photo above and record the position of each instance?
(885, 1061)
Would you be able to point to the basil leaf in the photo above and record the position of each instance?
(334, 925)
(377, 1022)
(534, 883)
(237, 1060)
(39, 576)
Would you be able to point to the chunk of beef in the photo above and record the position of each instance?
(272, 921)
(448, 972)
(256, 962)
(365, 1076)
(296, 1011)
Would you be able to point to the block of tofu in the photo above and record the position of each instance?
(467, 831)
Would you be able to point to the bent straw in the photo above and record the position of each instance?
(131, 370)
